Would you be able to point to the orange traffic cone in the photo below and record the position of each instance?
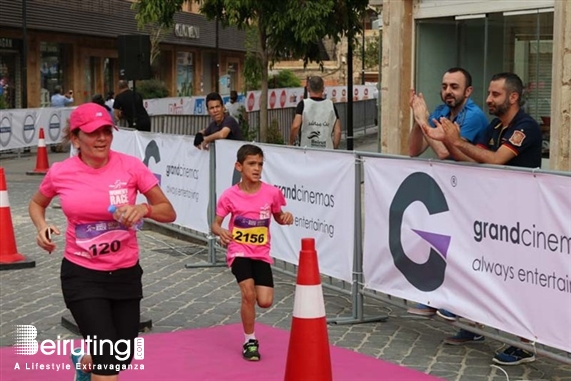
(308, 355)
(9, 257)
(42, 164)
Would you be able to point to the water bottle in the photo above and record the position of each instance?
(136, 226)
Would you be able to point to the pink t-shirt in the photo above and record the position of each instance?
(93, 238)
(251, 214)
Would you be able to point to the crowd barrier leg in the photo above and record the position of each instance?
(357, 297)
(212, 260)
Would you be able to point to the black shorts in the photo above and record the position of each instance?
(80, 283)
(247, 268)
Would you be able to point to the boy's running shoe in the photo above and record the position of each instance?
(250, 350)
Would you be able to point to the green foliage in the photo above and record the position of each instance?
(289, 29)
(152, 88)
(248, 133)
(372, 47)
(3, 102)
(160, 12)
(274, 133)
(252, 63)
(283, 79)
(156, 17)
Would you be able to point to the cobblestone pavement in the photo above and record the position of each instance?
(179, 298)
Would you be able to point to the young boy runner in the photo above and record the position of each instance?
(251, 203)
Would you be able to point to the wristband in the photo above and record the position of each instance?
(149, 210)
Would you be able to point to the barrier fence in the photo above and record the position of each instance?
(19, 128)
(490, 244)
(364, 116)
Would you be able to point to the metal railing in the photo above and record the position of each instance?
(364, 116)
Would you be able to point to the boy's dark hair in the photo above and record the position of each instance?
(467, 76)
(513, 84)
(248, 150)
(214, 96)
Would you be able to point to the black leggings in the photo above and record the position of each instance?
(108, 320)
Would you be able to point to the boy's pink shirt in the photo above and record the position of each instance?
(85, 194)
(256, 207)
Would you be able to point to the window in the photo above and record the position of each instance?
(51, 70)
(490, 44)
(184, 74)
(10, 80)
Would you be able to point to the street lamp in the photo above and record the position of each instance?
(24, 63)
(217, 74)
(363, 49)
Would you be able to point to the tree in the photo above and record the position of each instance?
(372, 46)
(156, 17)
(252, 67)
(283, 79)
(287, 28)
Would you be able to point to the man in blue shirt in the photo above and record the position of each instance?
(59, 100)
(457, 107)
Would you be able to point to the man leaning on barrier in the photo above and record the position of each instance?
(512, 138)
(222, 126)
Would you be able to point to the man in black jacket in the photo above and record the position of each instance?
(128, 105)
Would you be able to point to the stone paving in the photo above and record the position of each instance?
(178, 298)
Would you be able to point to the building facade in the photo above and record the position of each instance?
(74, 44)
(423, 38)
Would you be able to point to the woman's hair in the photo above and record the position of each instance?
(68, 133)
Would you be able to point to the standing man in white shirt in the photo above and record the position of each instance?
(233, 107)
(317, 118)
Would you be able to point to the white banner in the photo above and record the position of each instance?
(125, 141)
(182, 171)
(20, 127)
(319, 187)
(277, 98)
(491, 245)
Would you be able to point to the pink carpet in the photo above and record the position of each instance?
(213, 354)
